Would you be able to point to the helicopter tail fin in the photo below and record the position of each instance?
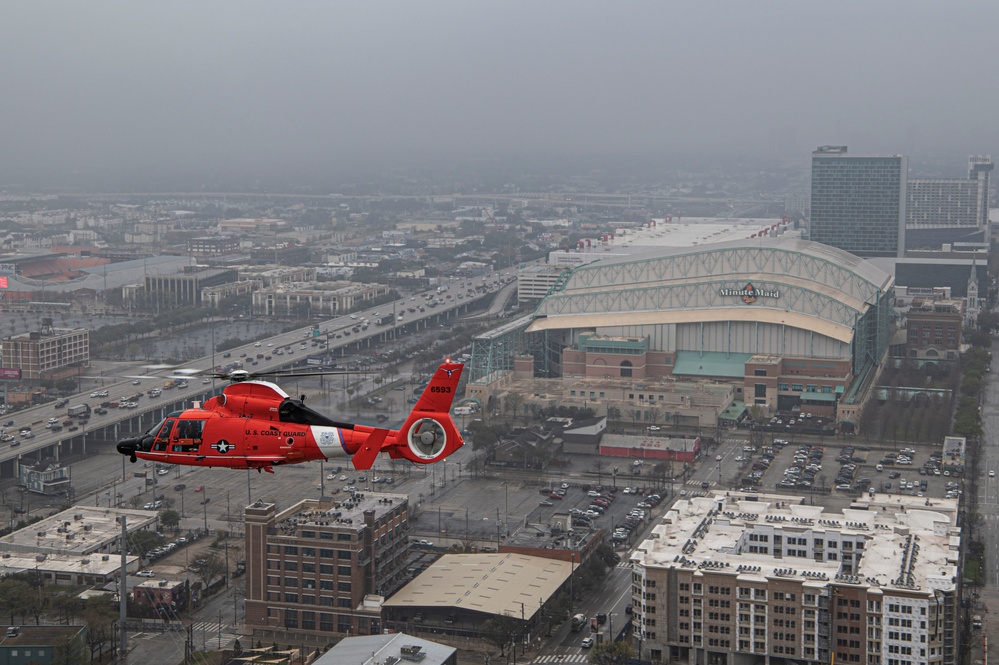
(429, 434)
(441, 389)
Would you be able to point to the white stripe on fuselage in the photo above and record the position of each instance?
(329, 440)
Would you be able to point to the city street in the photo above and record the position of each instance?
(988, 510)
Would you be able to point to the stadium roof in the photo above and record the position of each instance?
(798, 283)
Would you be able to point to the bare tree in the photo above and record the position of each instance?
(212, 565)
(513, 402)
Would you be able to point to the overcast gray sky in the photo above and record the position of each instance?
(255, 88)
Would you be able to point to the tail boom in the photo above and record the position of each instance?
(429, 433)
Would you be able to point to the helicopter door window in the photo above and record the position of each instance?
(163, 436)
(187, 436)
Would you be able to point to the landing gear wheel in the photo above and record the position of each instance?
(133, 459)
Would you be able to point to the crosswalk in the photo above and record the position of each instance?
(561, 658)
(624, 564)
(698, 483)
(208, 633)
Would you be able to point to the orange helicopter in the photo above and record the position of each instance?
(254, 424)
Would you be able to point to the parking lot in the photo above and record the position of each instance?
(836, 469)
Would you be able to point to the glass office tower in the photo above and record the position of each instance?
(858, 202)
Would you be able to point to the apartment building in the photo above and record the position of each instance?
(743, 579)
(322, 568)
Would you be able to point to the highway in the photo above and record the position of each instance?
(337, 333)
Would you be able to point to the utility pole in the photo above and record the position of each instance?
(123, 593)
(220, 630)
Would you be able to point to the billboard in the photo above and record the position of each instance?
(10, 374)
(4, 283)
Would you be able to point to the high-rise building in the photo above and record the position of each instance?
(858, 201)
(736, 578)
(941, 211)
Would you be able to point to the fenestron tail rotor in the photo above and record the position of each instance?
(427, 438)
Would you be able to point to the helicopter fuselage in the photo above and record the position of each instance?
(256, 425)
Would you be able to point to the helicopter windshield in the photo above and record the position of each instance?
(162, 435)
(152, 431)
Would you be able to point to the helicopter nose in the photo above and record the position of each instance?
(128, 446)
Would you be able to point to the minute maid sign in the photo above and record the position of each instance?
(749, 293)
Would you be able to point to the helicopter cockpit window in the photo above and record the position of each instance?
(187, 436)
(162, 436)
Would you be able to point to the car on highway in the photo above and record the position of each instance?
(587, 642)
(718, 458)
(992, 473)
(199, 488)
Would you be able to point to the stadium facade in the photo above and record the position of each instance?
(788, 323)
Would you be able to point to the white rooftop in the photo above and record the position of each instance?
(908, 542)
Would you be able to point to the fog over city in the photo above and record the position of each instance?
(195, 94)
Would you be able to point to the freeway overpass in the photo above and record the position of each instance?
(338, 333)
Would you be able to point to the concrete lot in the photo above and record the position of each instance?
(824, 484)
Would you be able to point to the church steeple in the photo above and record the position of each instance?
(972, 305)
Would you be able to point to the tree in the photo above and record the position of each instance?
(68, 650)
(212, 566)
(99, 615)
(499, 631)
(170, 519)
(141, 542)
(612, 653)
(513, 402)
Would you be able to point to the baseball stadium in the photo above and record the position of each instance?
(697, 335)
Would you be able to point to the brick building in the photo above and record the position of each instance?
(47, 353)
(934, 329)
(322, 567)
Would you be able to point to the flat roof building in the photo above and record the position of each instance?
(459, 591)
(78, 531)
(41, 354)
(395, 648)
(743, 578)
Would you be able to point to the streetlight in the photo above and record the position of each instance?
(506, 514)
(572, 573)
